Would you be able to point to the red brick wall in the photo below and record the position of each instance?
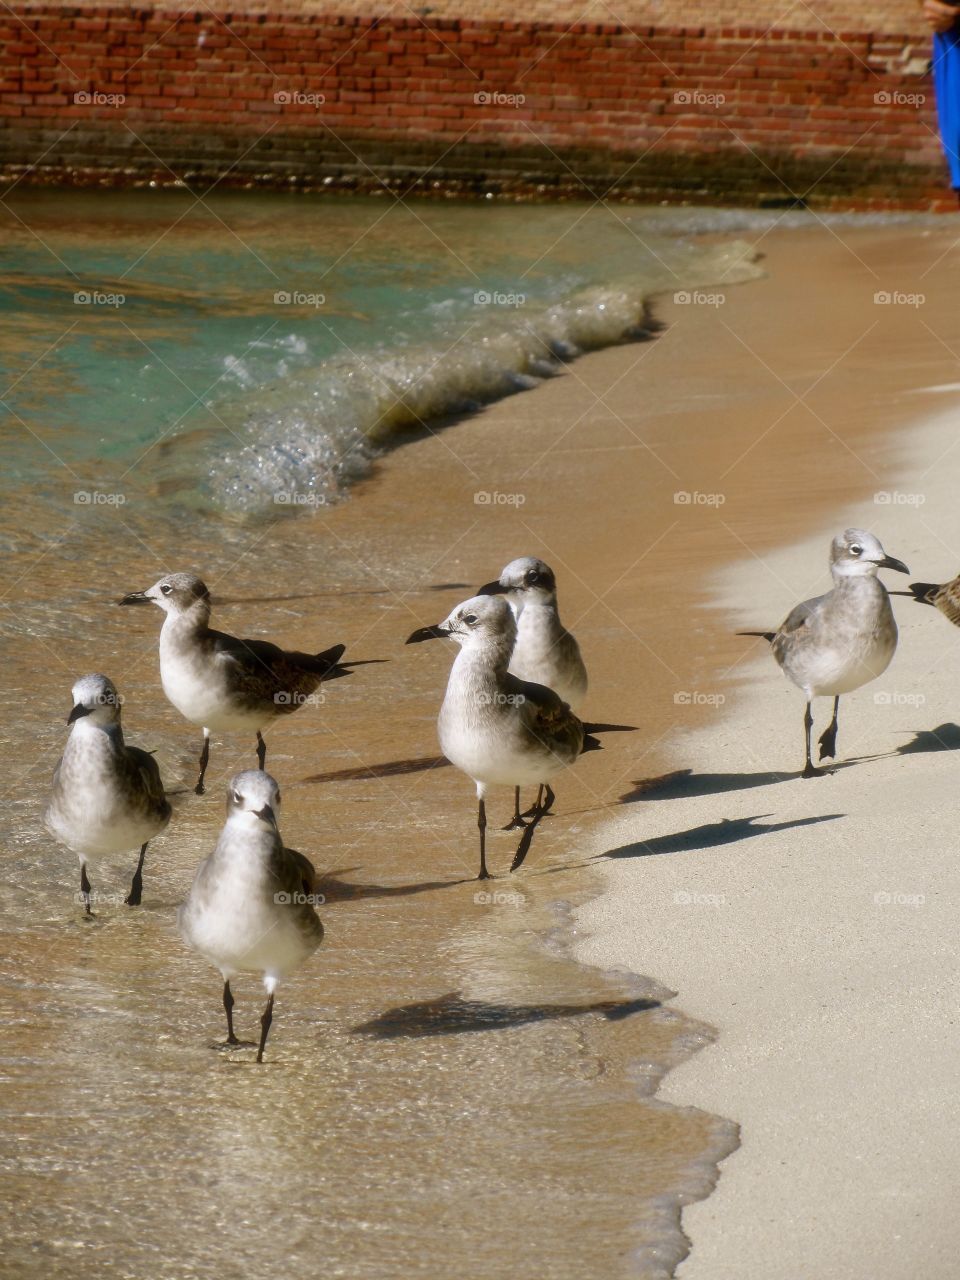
(730, 113)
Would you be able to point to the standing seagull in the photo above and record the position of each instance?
(219, 682)
(546, 652)
(107, 798)
(835, 643)
(500, 730)
(250, 908)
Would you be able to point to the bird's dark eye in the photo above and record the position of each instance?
(856, 550)
(531, 577)
(166, 588)
(471, 619)
(237, 798)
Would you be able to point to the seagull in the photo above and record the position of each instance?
(220, 682)
(251, 905)
(106, 798)
(546, 652)
(836, 643)
(497, 729)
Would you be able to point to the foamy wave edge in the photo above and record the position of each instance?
(305, 440)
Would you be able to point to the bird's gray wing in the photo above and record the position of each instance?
(308, 875)
(287, 871)
(149, 773)
(546, 714)
(800, 617)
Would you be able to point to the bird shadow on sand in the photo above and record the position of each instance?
(711, 834)
(452, 1014)
(685, 783)
(336, 890)
(388, 769)
(945, 737)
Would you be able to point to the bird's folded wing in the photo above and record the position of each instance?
(254, 655)
(305, 869)
(149, 772)
(543, 710)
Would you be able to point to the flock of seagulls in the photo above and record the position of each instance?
(508, 718)
(252, 905)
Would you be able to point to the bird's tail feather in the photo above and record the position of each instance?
(609, 728)
(923, 592)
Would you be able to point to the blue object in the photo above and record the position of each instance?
(946, 81)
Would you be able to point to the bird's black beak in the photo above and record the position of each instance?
(888, 562)
(267, 815)
(428, 633)
(78, 712)
(492, 589)
(136, 597)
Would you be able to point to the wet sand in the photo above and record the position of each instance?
(446, 1091)
(813, 922)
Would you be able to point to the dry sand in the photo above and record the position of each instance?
(813, 922)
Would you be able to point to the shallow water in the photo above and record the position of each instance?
(251, 353)
(445, 1091)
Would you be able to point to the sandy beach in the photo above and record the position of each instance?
(680, 487)
(813, 922)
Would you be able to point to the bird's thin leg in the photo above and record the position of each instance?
(204, 761)
(85, 888)
(548, 799)
(265, 1020)
(261, 756)
(517, 820)
(809, 771)
(523, 848)
(531, 812)
(828, 739)
(136, 885)
(228, 1007)
(482, 824)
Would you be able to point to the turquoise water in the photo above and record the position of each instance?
(249, 352)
